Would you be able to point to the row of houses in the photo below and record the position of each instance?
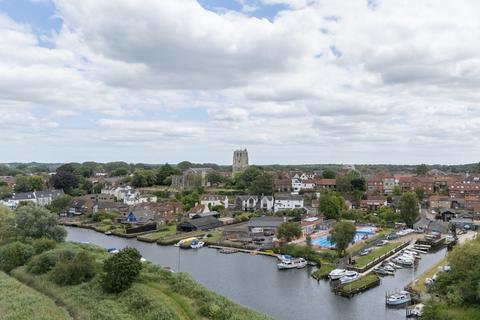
(42, 198)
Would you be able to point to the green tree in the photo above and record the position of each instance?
(5, 192)
(32, 222)
(262, 184)
(328, 174)
(421, 169)
(245, 179)
(215, 177)
(342, 234)
(64, 180)
(80, 269)
(409, 209)
(165, 172)
(331, 205)
(420, 192)
(288, 231)
(397, 191)
(14, 254)
(121, 269)
(144, 178)
(21, 184)
(60, 203)
(36, 183)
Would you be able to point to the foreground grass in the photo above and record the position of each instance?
(439, 311)
(362, 261)
(157, 294)
(19, 302)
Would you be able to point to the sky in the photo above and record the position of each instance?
(293, 81)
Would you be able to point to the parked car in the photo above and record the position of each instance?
(366, 251)
(382, 243)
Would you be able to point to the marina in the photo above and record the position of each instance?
(252, 280)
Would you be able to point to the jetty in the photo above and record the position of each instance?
(252, 252)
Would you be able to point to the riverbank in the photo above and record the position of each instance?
(157, 294)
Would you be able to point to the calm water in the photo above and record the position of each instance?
(255, 282)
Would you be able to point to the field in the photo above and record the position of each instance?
(364, 283)
(362, 261)
(19, 302)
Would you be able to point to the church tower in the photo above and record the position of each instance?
(240, 161)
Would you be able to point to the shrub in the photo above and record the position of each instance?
(43, 244)
(121, 270)
(45, 261)
(80, 269)
(14, 255)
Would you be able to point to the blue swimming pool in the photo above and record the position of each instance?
(361, 232)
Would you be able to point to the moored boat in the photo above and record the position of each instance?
(228, 251)
(197, 244)
(292, 264)
(399, 298)
(349, 276)
(337, 274)
(383, 272)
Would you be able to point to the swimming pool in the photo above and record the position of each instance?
(361, 232)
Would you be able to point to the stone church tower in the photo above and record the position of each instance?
(240, 161)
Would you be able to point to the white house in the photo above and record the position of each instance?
(288, 202)
(213, 200)
(134, 198)
(267, 203)
(299, 184)
(41, 198)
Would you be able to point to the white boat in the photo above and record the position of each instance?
(383, 272)
(417, 311)
(349, 276)
(292, 264)
(389, 268)
(285, 257)
(399, 298)
(142, 259)
(108, 233)
(337, 274)
(197, 244)
(403, 261)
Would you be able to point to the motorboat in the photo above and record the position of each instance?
(417, 310)
(337, 274)
(142, 259)
(383, 272)
(389, 268)
(349, 276)
(113, 250)
(393, 265)
(292, 264)
(285, 257)
(197, 244)
(399, 298)
(228, 251)
(403, 261)
(108, 233)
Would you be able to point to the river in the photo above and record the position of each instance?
(255, 282)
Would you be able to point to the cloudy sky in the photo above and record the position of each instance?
(294, 81)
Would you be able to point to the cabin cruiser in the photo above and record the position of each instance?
(383, 272)
(349, 276)
(197, 244)
(285, 257)
(337, 274)
(399, 298)
(292, 264)
(403, 261)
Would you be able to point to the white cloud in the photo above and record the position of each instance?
(326, 81)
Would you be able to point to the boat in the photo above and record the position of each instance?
(399, 298)
(383, 272)
(403, 261)
(285, 257)
(197, 244)
(108, 233)
(389, 268)
(349, 276)
(292, 264)
(416, 311)
(337, 274)
(185, 242)
(228, 251)
(142, 259)
(113, 250)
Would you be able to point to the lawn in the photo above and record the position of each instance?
(362, 244)
(154, 236)
(364, 283)
(214, 237)
(323, 271)
(19, 302)
(362, 261)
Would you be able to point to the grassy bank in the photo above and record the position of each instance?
(172, 239)
(419, 284)
(323, 272)
(157, 294)
(364, 283)
(155, 236)
(362, 261)
(19, 302)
